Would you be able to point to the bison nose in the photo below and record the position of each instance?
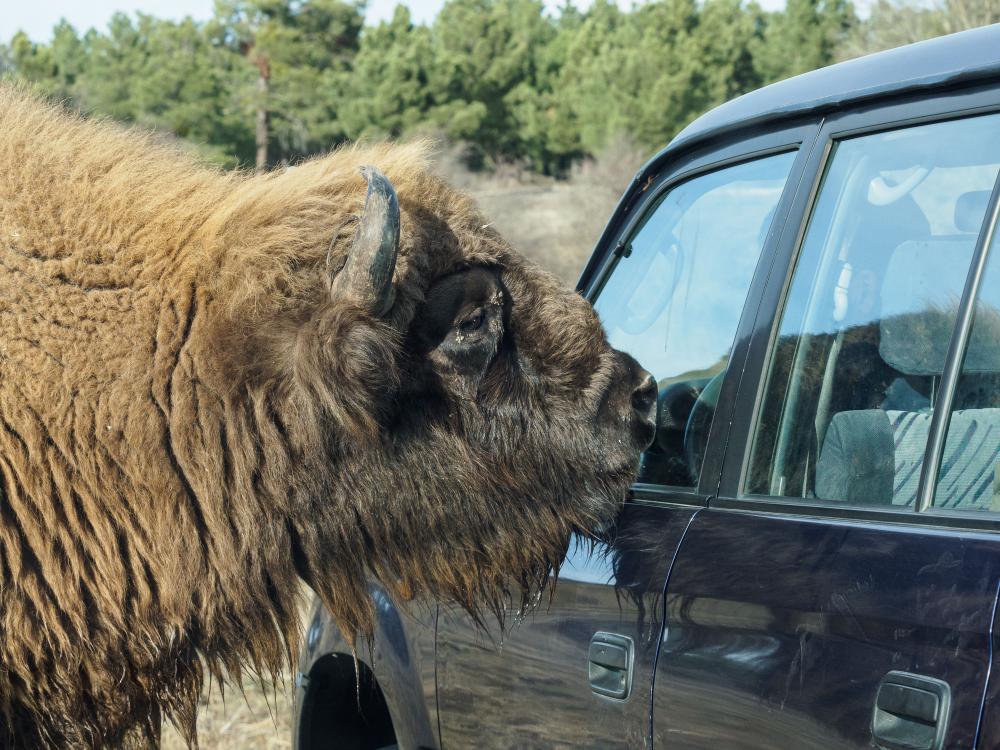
(644, 398)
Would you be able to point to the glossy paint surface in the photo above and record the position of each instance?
(989, 717)
(779, 629)
(532, 690)
(401, 658)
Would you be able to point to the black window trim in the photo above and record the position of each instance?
(872, 117)
(944, 520)
(661, 187)
(793, 136)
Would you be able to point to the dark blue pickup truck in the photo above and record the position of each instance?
(810, 557)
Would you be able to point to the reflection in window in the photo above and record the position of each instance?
(967, 476)
(675, 301)
(861, 347)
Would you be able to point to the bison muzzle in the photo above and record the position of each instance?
(214, 386)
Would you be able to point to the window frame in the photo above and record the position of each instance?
(957, 347)
(882, 115)
(795, 136)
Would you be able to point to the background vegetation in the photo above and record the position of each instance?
(265, 82)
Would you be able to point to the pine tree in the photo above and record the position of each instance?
(293, 52)
(386, 92)
(803, 37)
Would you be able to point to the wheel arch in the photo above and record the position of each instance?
(342, 707)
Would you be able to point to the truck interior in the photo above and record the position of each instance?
(858, 363)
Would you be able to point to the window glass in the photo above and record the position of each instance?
(674, 302)
(862, 342)
(968, 477)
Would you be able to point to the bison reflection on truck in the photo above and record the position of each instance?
(214, 385)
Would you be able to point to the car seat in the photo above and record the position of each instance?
(873, 456)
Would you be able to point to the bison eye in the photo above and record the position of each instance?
(474, 322)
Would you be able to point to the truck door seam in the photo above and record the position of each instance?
(663, 626)
(989, 667)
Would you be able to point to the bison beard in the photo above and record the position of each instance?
(214, 386)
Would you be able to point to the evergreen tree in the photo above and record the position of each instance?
(386, 92)
(588, 93)
(53, 68)
(293, 51)
(485, 52)
(271, 81)
(114, 60)
(803, 37)
(190, 95)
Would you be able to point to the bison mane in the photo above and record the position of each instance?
(171, 358)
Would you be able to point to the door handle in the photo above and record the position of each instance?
(610, 665)
(911, 712)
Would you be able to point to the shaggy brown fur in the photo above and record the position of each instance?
(190, 422)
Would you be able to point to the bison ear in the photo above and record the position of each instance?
(371, 260)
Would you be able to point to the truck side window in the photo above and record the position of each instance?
(861, 346)
(675, 301)
(967, 477)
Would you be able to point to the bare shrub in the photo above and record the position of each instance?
(894, 23)
(614, 166)
(553, 222)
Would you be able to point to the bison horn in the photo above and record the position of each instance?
(371, 260)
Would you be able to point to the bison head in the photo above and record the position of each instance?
(434, 411)
(213, 385)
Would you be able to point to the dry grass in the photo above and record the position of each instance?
(258, 719)
(556, 223)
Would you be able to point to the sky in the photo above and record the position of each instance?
(38, 17)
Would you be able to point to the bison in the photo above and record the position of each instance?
(214, 386)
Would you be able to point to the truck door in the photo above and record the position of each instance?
(840, 591)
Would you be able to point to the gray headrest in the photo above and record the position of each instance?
(923, 284)
(970, 208)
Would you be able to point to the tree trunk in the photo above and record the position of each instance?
(263, 80)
